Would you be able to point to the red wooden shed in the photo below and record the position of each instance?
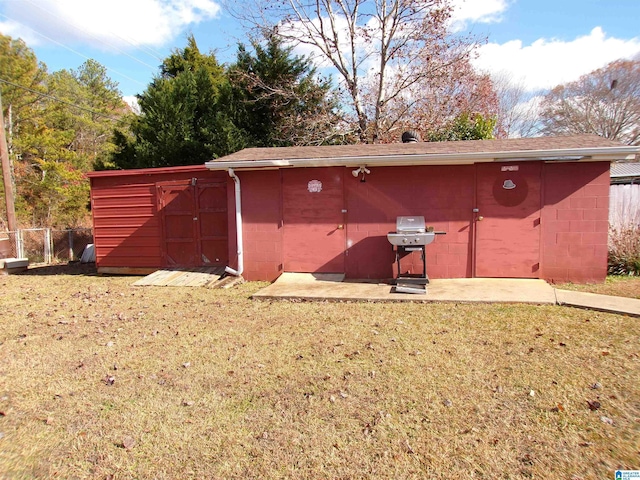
(159, 217)
(524, 208)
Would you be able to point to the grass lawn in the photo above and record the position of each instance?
(100, 379)
(622, 286)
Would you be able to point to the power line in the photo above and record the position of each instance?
(59, 100)
(72, 50)
(91, 35)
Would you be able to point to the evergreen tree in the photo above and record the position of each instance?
(281, 100)
(183, 117)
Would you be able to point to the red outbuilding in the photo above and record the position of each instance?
(519, 208)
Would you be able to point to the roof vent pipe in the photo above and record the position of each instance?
(410, 136)
(240, 269)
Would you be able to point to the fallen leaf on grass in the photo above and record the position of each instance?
(593, 405)
(128, 442)
(606, 420)
(407, 446)
(558, 408)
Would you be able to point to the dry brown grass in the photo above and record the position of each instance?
(621, 286)
(210, 384)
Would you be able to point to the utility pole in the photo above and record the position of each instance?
(6, 175)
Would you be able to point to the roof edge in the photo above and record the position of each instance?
(147, 171)
(624, 152)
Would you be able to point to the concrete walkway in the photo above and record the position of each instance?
(603, 303)
(306, 286)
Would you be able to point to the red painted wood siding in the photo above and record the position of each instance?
(126, 220)
(126, 228)
(444, 195)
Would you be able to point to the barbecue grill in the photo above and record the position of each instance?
(411, 235)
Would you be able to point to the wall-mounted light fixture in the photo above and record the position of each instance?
(362, 170)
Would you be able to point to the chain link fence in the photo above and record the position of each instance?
(45, 245)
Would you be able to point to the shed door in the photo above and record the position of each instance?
(508, 221)
(194, 223)
(313, 220)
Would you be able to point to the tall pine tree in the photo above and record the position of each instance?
(183, 117)
(280, 98)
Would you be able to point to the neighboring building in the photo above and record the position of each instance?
(525, 208)
(624, 202)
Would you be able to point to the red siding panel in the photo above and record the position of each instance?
(126, 216)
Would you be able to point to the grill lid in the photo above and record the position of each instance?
(414, 224)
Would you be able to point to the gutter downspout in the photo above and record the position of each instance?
(230, 270)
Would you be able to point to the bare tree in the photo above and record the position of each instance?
(385, 51)
(605, 102)
(517, 108)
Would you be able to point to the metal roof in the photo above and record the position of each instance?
(619, 170)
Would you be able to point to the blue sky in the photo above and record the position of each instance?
(537, 42)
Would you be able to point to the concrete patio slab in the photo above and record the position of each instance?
(305, 286)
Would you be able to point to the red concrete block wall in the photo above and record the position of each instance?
(575, 222)
(262, 224)
(444, 195)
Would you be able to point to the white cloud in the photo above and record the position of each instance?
(476, 11)
(132, 101)
(105, 24)
(547, 63)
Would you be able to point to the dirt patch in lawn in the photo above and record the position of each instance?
(620, 286)
(100, 379)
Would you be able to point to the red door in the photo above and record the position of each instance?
(178, 214)
(313, 220)
(507, 242)
(194, 223)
